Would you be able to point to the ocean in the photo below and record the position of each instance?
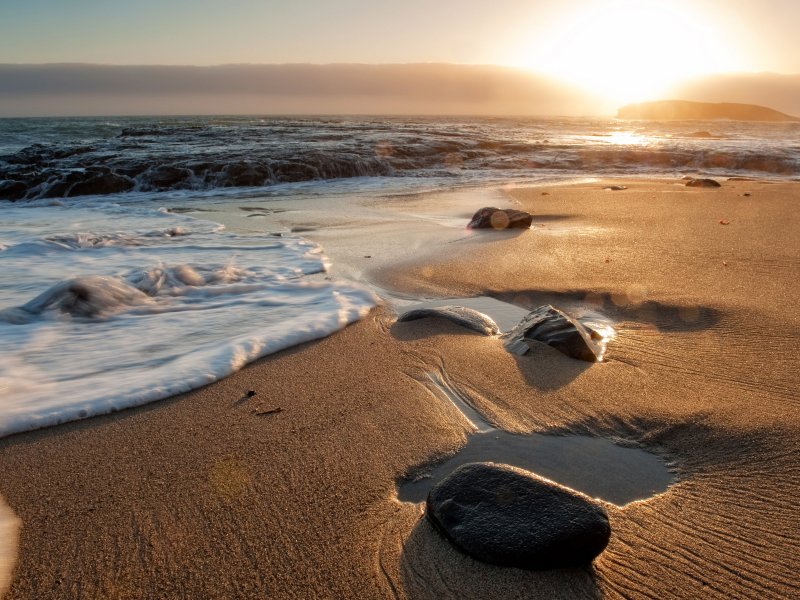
(116, 290)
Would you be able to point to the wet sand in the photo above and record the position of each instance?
(209, 495)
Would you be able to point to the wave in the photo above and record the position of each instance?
(203, 154)
(105, 320)
(102, 296)
(76, 241)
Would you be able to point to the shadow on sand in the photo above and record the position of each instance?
(620, 306)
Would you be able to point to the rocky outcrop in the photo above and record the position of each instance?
(683, 110)
(12, 190)
(509, 517)
(490, 217)
(101, 183)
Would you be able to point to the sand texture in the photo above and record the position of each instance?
(210, 495)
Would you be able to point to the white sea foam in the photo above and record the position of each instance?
(104, 307)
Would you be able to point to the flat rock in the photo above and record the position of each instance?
(555, 328)
(510, 517)
(490, 217)
(461, 315)
(705, 183)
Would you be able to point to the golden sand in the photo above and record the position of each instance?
(200, 496)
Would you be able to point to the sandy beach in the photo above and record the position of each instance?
(214, 494)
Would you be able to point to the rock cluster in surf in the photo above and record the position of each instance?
(509, 517)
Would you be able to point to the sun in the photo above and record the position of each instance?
(627, 51)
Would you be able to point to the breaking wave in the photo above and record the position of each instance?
(204, 154)
(96, 322)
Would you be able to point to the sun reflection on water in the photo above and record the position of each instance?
(627, 138)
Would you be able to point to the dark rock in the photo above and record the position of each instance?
(490, 217)
(705, 183)
(166, 177)
(290, 171)
(557, 329)
(700, 134)
(12, 190)
(466, 317)
(59, 183)
(245, 175)
(509, 517)
(101, 183)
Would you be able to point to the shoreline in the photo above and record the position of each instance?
(200, 496)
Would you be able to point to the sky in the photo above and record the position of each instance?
(516, 32)
(618, 51)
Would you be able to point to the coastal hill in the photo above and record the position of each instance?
(671, 110)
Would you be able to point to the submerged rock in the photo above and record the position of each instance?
(12, 190)
(509, 517)
(490, 217)
(615, 188)
(460, 315)
(706, 183)
(166, 177)
(555, 328)
(101, 183)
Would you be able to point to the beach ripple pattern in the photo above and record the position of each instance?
(105, 307)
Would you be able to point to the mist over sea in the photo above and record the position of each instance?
(111, 296)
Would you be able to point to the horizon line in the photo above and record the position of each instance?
(342, 63)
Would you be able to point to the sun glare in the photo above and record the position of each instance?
(627, 51)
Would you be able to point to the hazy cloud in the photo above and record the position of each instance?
(79, 89)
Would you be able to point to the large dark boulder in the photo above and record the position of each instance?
(101, 183)
(490, 217)
(460, 315)
(509, 517)
(555, 328)
(166, 177)
(244, 174)
(704, 183)
(12, 190)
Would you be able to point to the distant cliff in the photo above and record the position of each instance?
(671, 110)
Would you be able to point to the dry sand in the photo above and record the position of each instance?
(201, 497)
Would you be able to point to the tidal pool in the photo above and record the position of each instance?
(593, 465)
